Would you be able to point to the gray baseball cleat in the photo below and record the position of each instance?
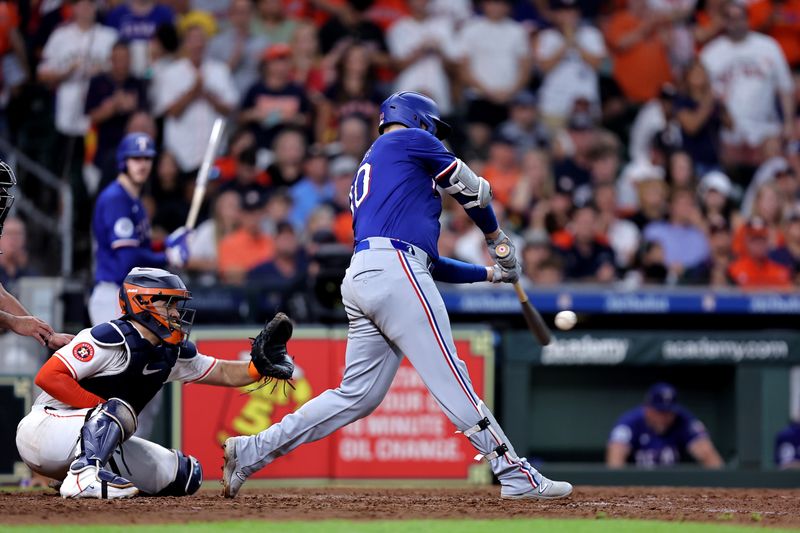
(232, 476)
(546, 490)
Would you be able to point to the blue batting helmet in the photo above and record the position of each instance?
(415, 111)
(135, 145)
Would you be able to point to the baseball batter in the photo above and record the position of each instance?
(121, 229)
(80, 428)
(393, 306)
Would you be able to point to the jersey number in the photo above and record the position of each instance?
(360, 188)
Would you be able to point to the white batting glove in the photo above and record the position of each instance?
(177, 247)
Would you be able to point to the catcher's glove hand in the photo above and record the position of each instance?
(268, 352)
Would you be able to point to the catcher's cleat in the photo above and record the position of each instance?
(232, 476)
(88, 481)
(546, 490)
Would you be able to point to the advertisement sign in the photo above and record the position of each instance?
(659, 347)
(407, 436)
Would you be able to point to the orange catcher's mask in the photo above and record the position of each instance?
(138, 297)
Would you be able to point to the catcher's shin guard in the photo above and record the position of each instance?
(188, 477)
(107, 426)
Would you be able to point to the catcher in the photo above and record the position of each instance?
(80, 428)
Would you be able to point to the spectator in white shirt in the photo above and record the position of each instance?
(568, 55)
(749, 71)
(495, 65)
(73, 54)
(194, 92)
(422, 47)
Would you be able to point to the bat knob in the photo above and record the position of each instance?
(502, 250)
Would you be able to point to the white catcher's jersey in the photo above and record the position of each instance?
(88, 357)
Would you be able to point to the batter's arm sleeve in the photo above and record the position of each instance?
(454, 271)
(56, 380)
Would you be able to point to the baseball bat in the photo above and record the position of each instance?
(202, 175)
(532, 317)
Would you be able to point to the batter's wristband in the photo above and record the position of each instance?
(253, 372)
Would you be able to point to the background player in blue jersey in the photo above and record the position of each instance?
(121, 232)
(80, 428)
(394, 307)
(660, 433)
(787, 446)
(121, 229)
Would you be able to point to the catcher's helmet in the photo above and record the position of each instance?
(415, 111)
(7, 180)
(144, 286)
(134, 145)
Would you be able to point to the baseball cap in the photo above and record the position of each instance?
(276, 51)
(642, 170)
(662, 397)
(716, 181)
(253, 200)
(756, 227)
(344, 164)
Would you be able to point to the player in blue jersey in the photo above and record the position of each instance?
(80, 428)
(787, 446)
(393, 305)
(121, 229)
(660, 433)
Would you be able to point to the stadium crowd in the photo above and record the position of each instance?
(638, 141)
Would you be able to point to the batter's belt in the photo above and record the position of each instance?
(385, 243)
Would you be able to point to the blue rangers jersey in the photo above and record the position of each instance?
(118, 224)
(648, 448)
(394, 191)
(787, 445)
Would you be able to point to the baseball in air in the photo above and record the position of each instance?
(566, 320)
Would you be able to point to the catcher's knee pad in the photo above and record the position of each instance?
(188, 477)
(106, 427)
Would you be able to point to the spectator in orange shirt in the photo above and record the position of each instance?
(248, 246)
(343, 168)
(641, 58)
(780, 19)
(502, 168)
(755, 269)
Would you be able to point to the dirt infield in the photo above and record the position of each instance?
(754, 506)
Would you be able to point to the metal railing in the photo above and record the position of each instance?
(57, 225)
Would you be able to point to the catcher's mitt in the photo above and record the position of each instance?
(268, 351)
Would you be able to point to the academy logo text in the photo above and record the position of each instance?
(705, 349)
(586, 350)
